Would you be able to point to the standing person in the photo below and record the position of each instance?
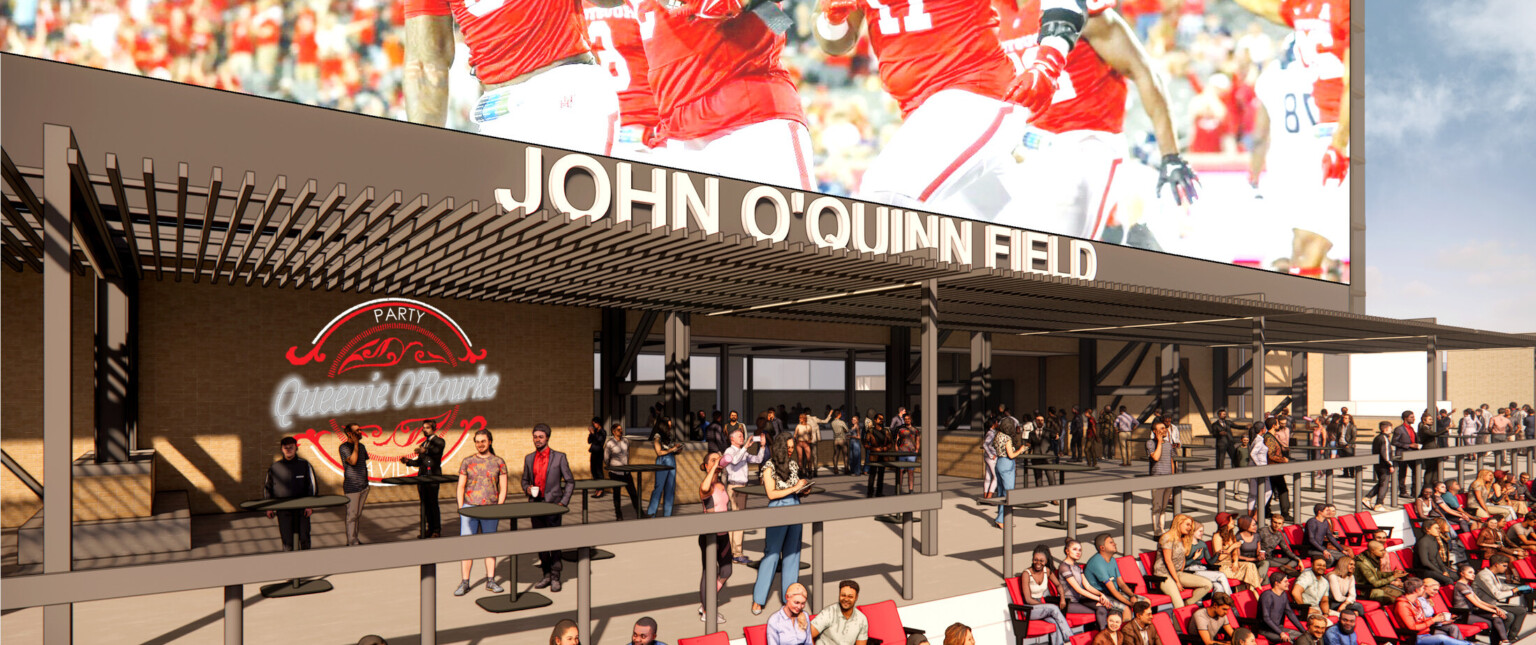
(616, 452)
(1077, 430)
(666, 443)
(482, 481)
(1161, 448)
(735, 461)
(538, 79)
(806, 433)
(1277, 442)
(781, 544)
(989, 481)
(1092, 444)
(840, 442)
(1009, 445)
(428, 461)
(715, 496)
(1125, 424)
(1173, 548)
(290, 476)
(856, 457)
(547, 478)
(1258, 487)
(1107, 431)
(1381, 446)
(1404, 437)
(842, 623)
(1221, 430)
(1348, 435)
(597, 441)
(354, 482)
(908, 438)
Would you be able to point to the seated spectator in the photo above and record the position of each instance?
(1433, 553)
(1451, 507)
(1172, 551)
(1319, 541)
(789, 625)
(1311, 589)
(1243, 559)
(1317, 624)
(645, 631)
(1372, 578)
(1201, 563)
(1214, 623)
(1036, 582)
(1244, 637)
(1342, 632)
(372, 639)
(1491, 588)
(1104, 576)
(1520, 534)
(956, 634)
(1341, 588)
(565, 633)
(1139, 630)
(1501, 622)
(1490, 540)
(1111, 634)
(1275, 609)
(842, 623)
(1416, 615)
(1277, 547)
(1079, 597)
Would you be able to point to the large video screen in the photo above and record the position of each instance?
(1213, 129)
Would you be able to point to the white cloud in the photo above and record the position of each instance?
(1499, 28)
(1400, 107)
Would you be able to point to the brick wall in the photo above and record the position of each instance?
(1492, 376)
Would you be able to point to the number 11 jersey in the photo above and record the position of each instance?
(928, 46)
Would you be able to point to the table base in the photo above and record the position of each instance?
(289, 590)
(571, 555)
(896, 519)
(757, 563)
(503, 603)
(1058, 525)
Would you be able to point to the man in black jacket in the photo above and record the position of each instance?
(547, 478)
(289, 477)
(1221, 429)
(428, 461)
(1405, 437)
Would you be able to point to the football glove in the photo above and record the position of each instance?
(1335, 165)
(1175, 173)
(1035, 88)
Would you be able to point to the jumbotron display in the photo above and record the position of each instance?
(1214, 129)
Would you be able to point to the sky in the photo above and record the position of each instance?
(1450, 153)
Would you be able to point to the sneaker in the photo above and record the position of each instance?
(741, 559)
(554, 584)
(463, 588)
(718, 616)
(491, 586)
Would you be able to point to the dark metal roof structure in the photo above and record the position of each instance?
(150, 222)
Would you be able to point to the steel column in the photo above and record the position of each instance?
(676, 390)
(114, 371)
(1299, 383)
(58, 397)
(929, 451)
(981, 378)
(1256, 393)
(610, 356)
(1168, 382)
(850, 388)
(1087, 373)
(898, 358)
(234, 614)
(429, 604)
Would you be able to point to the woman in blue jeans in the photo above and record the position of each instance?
(664, 440)
(781, 547)
(1010, 444)
(855, 446)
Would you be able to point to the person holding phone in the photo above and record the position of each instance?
(735, 461)
(781, 545)
(428, 460)
(354, 483)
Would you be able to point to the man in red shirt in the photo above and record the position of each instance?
(727, 104)
(963, 106)
(547, 478)
(539, 82)
(1074, 150)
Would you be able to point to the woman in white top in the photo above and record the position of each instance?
(1035, 583)
(616, 453)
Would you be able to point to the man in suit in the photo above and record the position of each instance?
(1404, 438)
(1139, 630)
(428, 461)
(547, 478)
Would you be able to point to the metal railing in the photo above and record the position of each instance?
(232, 573)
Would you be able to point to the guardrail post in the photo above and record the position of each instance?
(1328, 482)
(817, 544)
(1127, 524)
(234, 615)
(1359, 491)
(906, 555)
(1072, 518)
(712, 595)
(584, 585)
(429, 604)
(1007, 538)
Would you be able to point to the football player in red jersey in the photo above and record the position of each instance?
(1322, 46)
(1074, 149)
(617, 36)
(960, 98)
(538, 79)
(728, 105)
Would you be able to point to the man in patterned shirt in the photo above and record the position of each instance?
(482, 481)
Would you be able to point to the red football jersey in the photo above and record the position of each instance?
(509, 39)
(927, 47)
(713, 76)
(306, 51)
(241, 39)
(1322, 40)
(1091, 94)
(616, 36)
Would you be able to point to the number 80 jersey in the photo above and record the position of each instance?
(925, 46)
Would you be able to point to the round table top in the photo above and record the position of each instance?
(294, 503)
(759, 489)
(1065, 468)
(1188, 460)
(1314, 448)
(893, 453)
(641, 468)
(420, 479)
(899, 464)
(513, 510)
(1033, 458)
(598, 484)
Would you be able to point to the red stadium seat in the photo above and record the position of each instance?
(1015, 589)
(1352, 532)
(1024, 627)
(1385, 628)
(1441, 607)
(756, 634)
(1082, 639)
(1414, 521)
(1368, 524)
(1163, 626)
(717, 638)
(1295, 535)
(1138, 585)
(885, 623)
(1181, 619)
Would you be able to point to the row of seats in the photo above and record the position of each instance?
(885, 628)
